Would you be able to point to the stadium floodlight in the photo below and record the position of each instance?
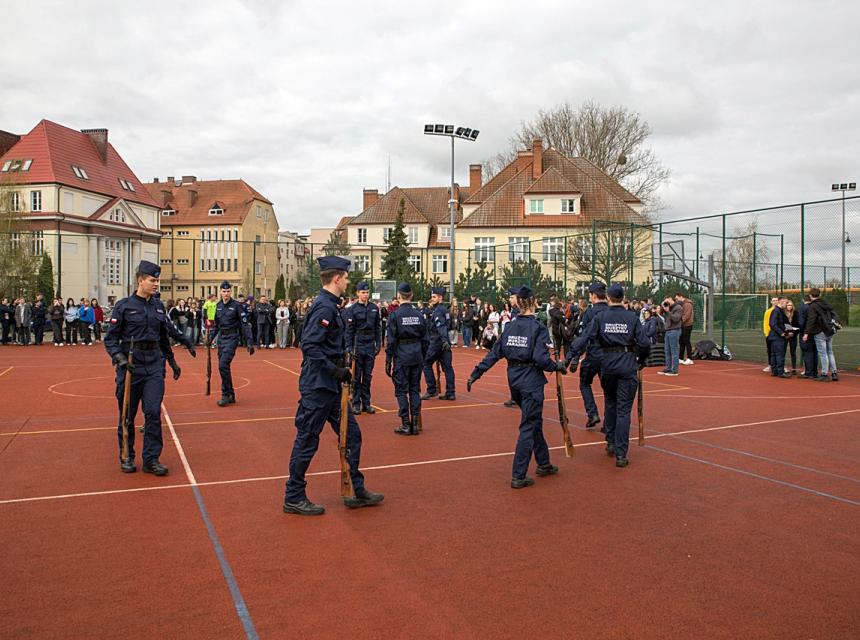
(455, 133)
(843, 187)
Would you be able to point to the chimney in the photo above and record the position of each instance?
(474, 178)
(192, 195)
(7, 141)
(155, 181)
(170, 178)
(371, 197)
(189, 179)
(537, 158)
(100, 139)
(166, 195)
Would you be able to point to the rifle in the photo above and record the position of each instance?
(439, 376)
(126, 402)
(208, 360)
(562, 410)
(639, 409)
(346, 488)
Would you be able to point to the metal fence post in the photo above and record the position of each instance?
(193, 265)
(723, 295)
(593, 249)
(755, 243)
(660, 248)
(253, 291)
(697, 253)
(781, 263)
(802, 248)
(59, 259)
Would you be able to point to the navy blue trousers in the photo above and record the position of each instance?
(810, 356)
(444, 357)
(531, 440)
(619, 391)
(777, 346)
(314, 410)
(363, 375)
(407, 389)
(587, 370)
(147, 389)
(226, 351)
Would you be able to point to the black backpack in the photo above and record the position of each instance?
(708, 350)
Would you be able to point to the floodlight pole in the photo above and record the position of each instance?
(453, 203)
(843, 240)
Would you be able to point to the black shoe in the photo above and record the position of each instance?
(783, 375)
(521, 483)
(592, 422)
(610, 449)
(366, 499)
(356, 409)
(822, 379)
(304, 508)
(544, 470)
(448, 396)
(369, 410)
(154, 467)
(834, 377)
(621, 462)
(224, 401)
(429, 396)
(510, 403)
(127, 465)
(405, 429)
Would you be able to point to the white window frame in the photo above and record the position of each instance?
(35, 200)
(362, 263)
(536, 206)
(485, 249)
(519, 249)
(216, 211)
(6, 166)
(259, 211)
(440, 263)
(361, 235)
(445, 232)
(415, 262)
(165, 261)
(386, 233)
(168, 212)
(568, 205)
(113, 262)
(258, 267)
(15, 201)
(413, 235)
(182, 261)
(26, 166)
(182, 233)
(552, 249)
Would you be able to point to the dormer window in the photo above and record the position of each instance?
(26, 166)
(168, 212)
(535, 206)
(216, 211)
(16, 165)
(568, 205)
(125, 184)
(79, 172)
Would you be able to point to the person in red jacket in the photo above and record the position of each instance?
(99, 314)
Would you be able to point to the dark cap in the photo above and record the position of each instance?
(616, 291)
(597, 287)
(328, 263)
(438, 291)
(514, 291)
(524, 292)
(149, 268)
(404, 288)
(226, 285)
(362, 286)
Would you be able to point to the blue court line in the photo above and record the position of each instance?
(238, 600)
(757, 456)
(790, 485)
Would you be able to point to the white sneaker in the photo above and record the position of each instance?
(661, 373)
(766, 369)
(669, 373)
(687, 361)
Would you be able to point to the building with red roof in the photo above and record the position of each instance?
(85, 207)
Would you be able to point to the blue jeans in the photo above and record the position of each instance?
(673, 349)
(467, 335)
(826, 359)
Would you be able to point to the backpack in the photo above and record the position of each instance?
(708, 350)
(570, 324)
(829, 321)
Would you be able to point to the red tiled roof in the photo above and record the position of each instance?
(432, 202)
(235, 197)
(608, 182)
(384, 210)
(54, 148)
(495, 182)
(551, 181)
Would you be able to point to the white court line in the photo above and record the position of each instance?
(400, 465)
(191, 479)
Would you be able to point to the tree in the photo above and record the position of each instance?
(612, 138)
(477, 281)
(247, 284)
(19, 262)
(280, 288)
(45, 279)
(516, 274)
(336, 246)
(744, 252)
(293, 291)
(309, 281)
(611, 251)
(395, 259)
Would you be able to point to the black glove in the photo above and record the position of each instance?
(342, 374)
(176, 370)
(192, 351)
(641, 364)
(574, 365)
(472, 380)
(388, 365)
(121, 361)
(446, 346)
(559, 366)
(251, 349)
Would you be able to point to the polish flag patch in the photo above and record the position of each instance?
(113, 320)
(324, 322)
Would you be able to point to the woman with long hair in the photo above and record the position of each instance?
(99, 315)
(524, 346)
(72, 322)
(57, 312)
(282, 318)
(791, 319)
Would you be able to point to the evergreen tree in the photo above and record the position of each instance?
(45, 279)
(293, 291)
(280, 288)
(336, 246)
(477, 281)
(395, 260)
(528, 273)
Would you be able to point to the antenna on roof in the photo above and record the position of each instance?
(388, 176)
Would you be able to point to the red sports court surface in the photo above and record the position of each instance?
(738, 519)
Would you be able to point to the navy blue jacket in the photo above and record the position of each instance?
(323, 346)
(777, 323)
(440, 321)
(232, 317)
(525, 344)
(592, 348)
(363, 328)
(621, 338)
(406, 323)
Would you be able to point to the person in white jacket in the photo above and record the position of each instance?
(282, 318)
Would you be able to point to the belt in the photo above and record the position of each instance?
(408, 340)
(365, 332)
(628, 349)
(229, 332)
(519, 364)
(145, 345)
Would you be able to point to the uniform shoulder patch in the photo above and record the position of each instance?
(324, 322)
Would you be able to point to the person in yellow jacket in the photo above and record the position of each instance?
(766, 329)
(209, 308)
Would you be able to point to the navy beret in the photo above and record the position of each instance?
(438, 291)
(225, 285)
(327, 263)
(524, 292)
(149, 269)
(362, 286)
(514, 291)
(404, 288)
(597, 287)
(616, 291)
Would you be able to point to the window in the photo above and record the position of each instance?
(168, 212)
(258, 267)
(386, 233)
(485, 249)
(182, 233)
(165, 287)
(35, 201)
(362, 263)
(257, 239)
(117, 215)
(182, 261)
(125, 184)
(413, 235)
(581, 248)
(26, 166)
(518, 249)
(415, 263)
(6, 166)
(259, 211)
(38, 243)
(168, 234)
(445, 232)
(182, 287)
(79, 172)
(16, 165)
(440, 263)
(202, 264)
(535, 206)
(216, 211)
(568, 205)
(113, 261)
(15, 201)
(235, 264)
(165, 261)
(362, 236)
(222, 264)
(553, 249)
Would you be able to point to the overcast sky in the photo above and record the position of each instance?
(751, 103)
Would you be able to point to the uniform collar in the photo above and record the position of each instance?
(328, 294)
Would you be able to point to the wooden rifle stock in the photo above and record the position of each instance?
(640, 409)
(562, 411)
(208, 360)
(346, 488)
(126, 402)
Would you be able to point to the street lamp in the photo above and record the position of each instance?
(453, 132)
(843, 187)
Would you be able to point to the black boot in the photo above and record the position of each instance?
(369, 409)
(154, 467)
(510, 403)
(127, 465)
(304, 508)
(592, 422)
(224, 401)
(356, 408)
(405, 428)
(610, 449)
(448, 396)
(548, 469)
(521, 483)
(429, 396)
(363, 499)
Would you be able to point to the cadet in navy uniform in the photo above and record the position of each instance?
(515, 311)
(406, 348)
(525, 344)
(141, 318)
(624, 349)
(323, 371)
(440, 348)
(364, 340)
(591, 363)
(231, 320)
